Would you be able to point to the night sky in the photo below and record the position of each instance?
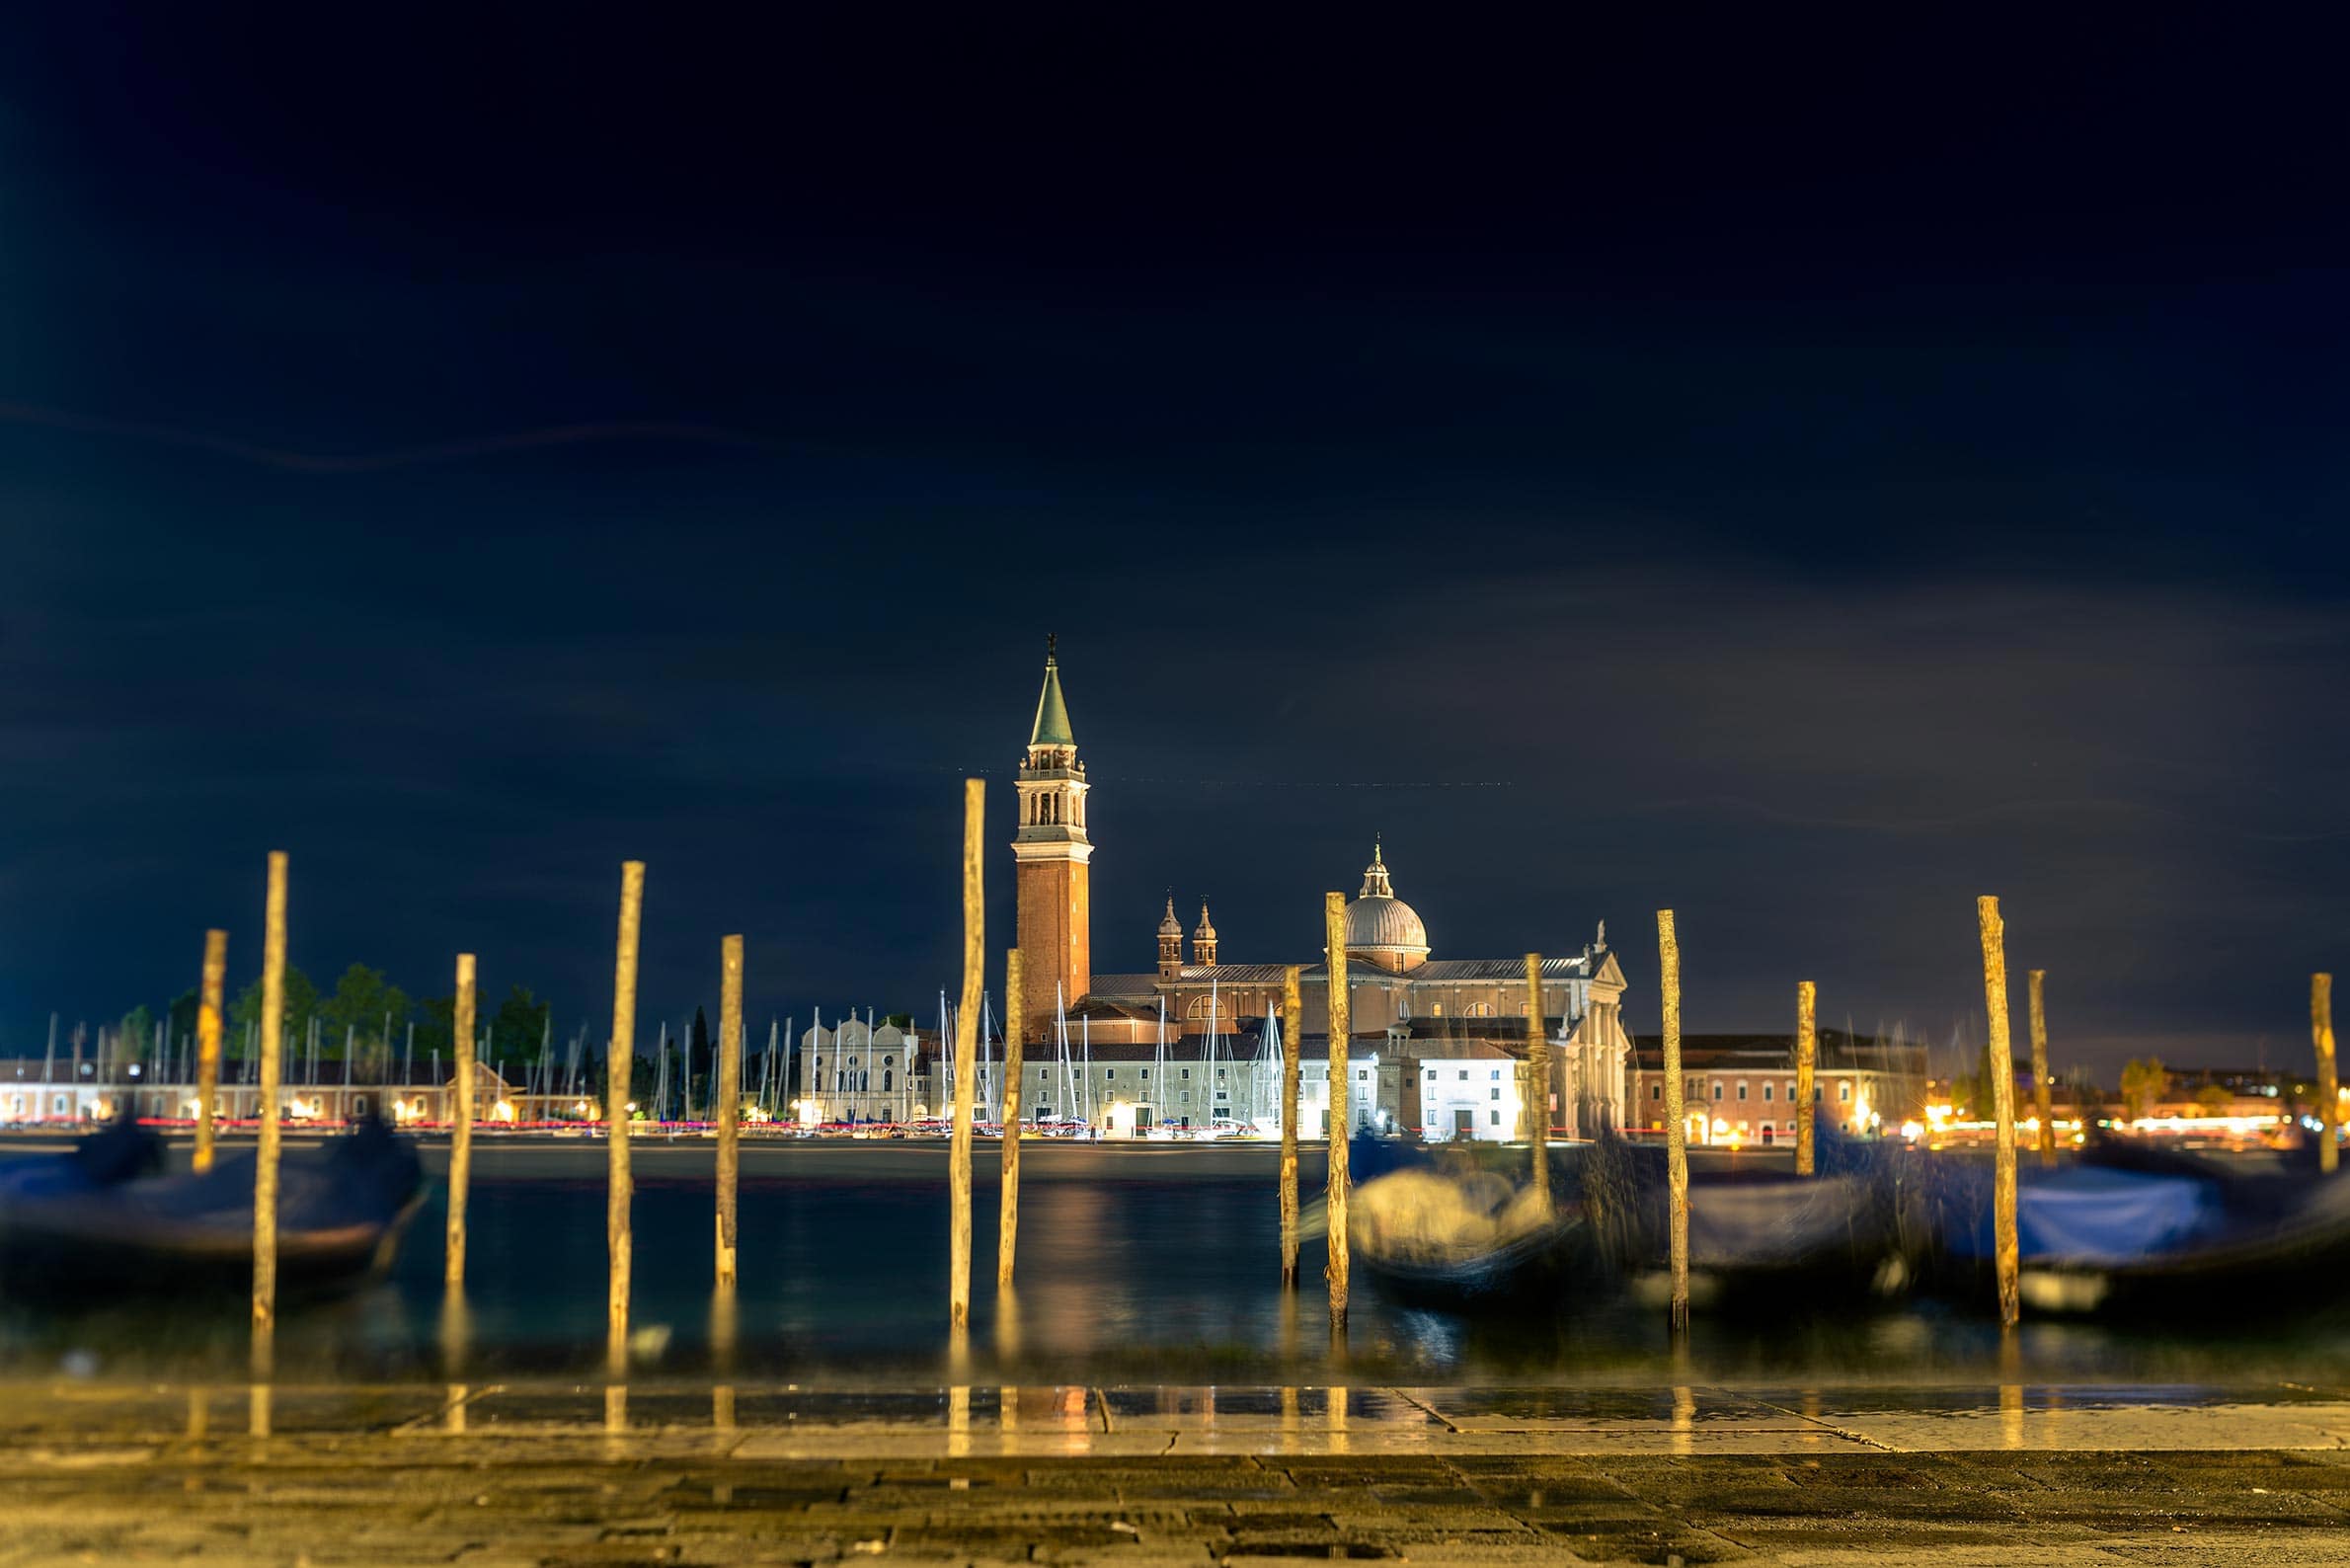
(1803, 480)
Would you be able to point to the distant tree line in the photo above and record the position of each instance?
(370, 1019)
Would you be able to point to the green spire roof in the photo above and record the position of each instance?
(1052, 714)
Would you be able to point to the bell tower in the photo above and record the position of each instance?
(1204, 939)
(1170, 942)
(1050, 854)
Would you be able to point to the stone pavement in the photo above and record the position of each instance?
(514, 1474)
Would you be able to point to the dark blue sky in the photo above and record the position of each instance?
(1802, 479)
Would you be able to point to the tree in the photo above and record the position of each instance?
(369, 1008)
(2144, 1083)
(180, 1020)
(1970, 1095)
(520, 1026)
(2213, 1100)
(301, 1001)
(436, 1026)
(134, 1039)
(700, 1060)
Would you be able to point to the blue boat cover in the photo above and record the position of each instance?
(2084, 1214)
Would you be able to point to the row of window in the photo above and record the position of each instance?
(1844, 1090)
(1240, 1004)
(1044, 1074)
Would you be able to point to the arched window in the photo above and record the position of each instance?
(887, 1077)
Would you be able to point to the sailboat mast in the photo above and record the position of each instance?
(1211, 1028)
(1061, 1024)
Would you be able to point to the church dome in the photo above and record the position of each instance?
(1381, 928)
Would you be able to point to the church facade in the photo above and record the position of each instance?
(1438, 1044)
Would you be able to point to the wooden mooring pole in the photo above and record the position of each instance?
(730, 1100)
(619, 1188)
(1015, 1027)
(265, 1165)
(2043, 1094)
(1807, 1069)
(966, 1053)
(460, 1121)
(1293, 1063)
(1537, 1071)
(2000, 1060)
(2329, 1093)
(208, 1045)
(1335, 1123)
(1677, 1133)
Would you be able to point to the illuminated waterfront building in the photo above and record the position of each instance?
(1742, 1089)
(1438, 1044)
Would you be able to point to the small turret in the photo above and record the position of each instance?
(1204, 939)
(1170, 942)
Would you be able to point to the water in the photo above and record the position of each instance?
(1154, 1263)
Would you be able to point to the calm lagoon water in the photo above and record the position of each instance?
(1152, 1262)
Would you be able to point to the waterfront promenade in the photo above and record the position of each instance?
(523, 1473)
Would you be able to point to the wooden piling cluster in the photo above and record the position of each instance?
(208, 1044)
(967, 1056)
(729, 1101)
(1538, 1063)
(2329, 1090)
(1293, 1040)
(1334, 925)
(1807, 1067)
(1677, 1133)
(461, 1120)
(2043, 1097)
(619, 1186)
(2001, 1063)
(1015, 1016)
(265, 1164)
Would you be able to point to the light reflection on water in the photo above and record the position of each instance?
(1172, 1275)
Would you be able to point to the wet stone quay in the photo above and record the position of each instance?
(519, 1473)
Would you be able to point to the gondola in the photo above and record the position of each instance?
(1759, 1238)
(2130, 1229)
(341, 1208)
(1460, 1238)
(120, 1152)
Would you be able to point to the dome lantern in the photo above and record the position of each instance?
(1381, 929)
